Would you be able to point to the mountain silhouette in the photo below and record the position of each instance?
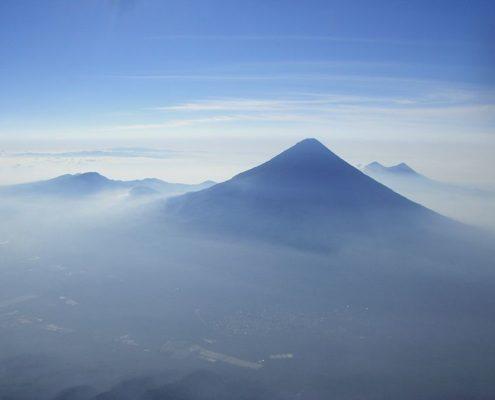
(90, 183)
(408, 182)
(402, 169)
(306, 195)
(65, 185)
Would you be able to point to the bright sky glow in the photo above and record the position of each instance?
(203, 89)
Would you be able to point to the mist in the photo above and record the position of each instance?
(109, 295)
(247, 200)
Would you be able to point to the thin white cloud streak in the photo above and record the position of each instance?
(315, 101)
(173, 123)
(435, 87)
(431, 97)
(315, 38)
(447, 116)
(214, 77)
(121, 152)
(281, 77)
(437, 105)
(274, 105)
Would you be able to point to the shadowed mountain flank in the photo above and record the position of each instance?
(306, 195)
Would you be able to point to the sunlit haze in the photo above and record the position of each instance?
(247, 199)
(224, 85)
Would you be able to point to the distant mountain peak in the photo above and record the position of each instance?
(310, 142)
(375, 164)
(82, 176)
(398, 169)
(90, 176)
(87, 183)
(403, 167)
(309, 146)
(87, 178)
(307, 161)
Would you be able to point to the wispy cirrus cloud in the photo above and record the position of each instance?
(447, 107)
(379, 100)
(447, 116)
(311, 38)
(304, 102)
(234, 104)
(278, 77)
(313, 102)
(121, 152)
(172, 123)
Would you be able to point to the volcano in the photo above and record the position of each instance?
(402, 169)
(305, 195)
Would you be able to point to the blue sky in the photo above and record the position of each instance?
(231, 82)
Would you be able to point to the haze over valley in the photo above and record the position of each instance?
(144, 296)
(247, 200)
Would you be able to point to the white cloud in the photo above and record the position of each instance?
(121, 152)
